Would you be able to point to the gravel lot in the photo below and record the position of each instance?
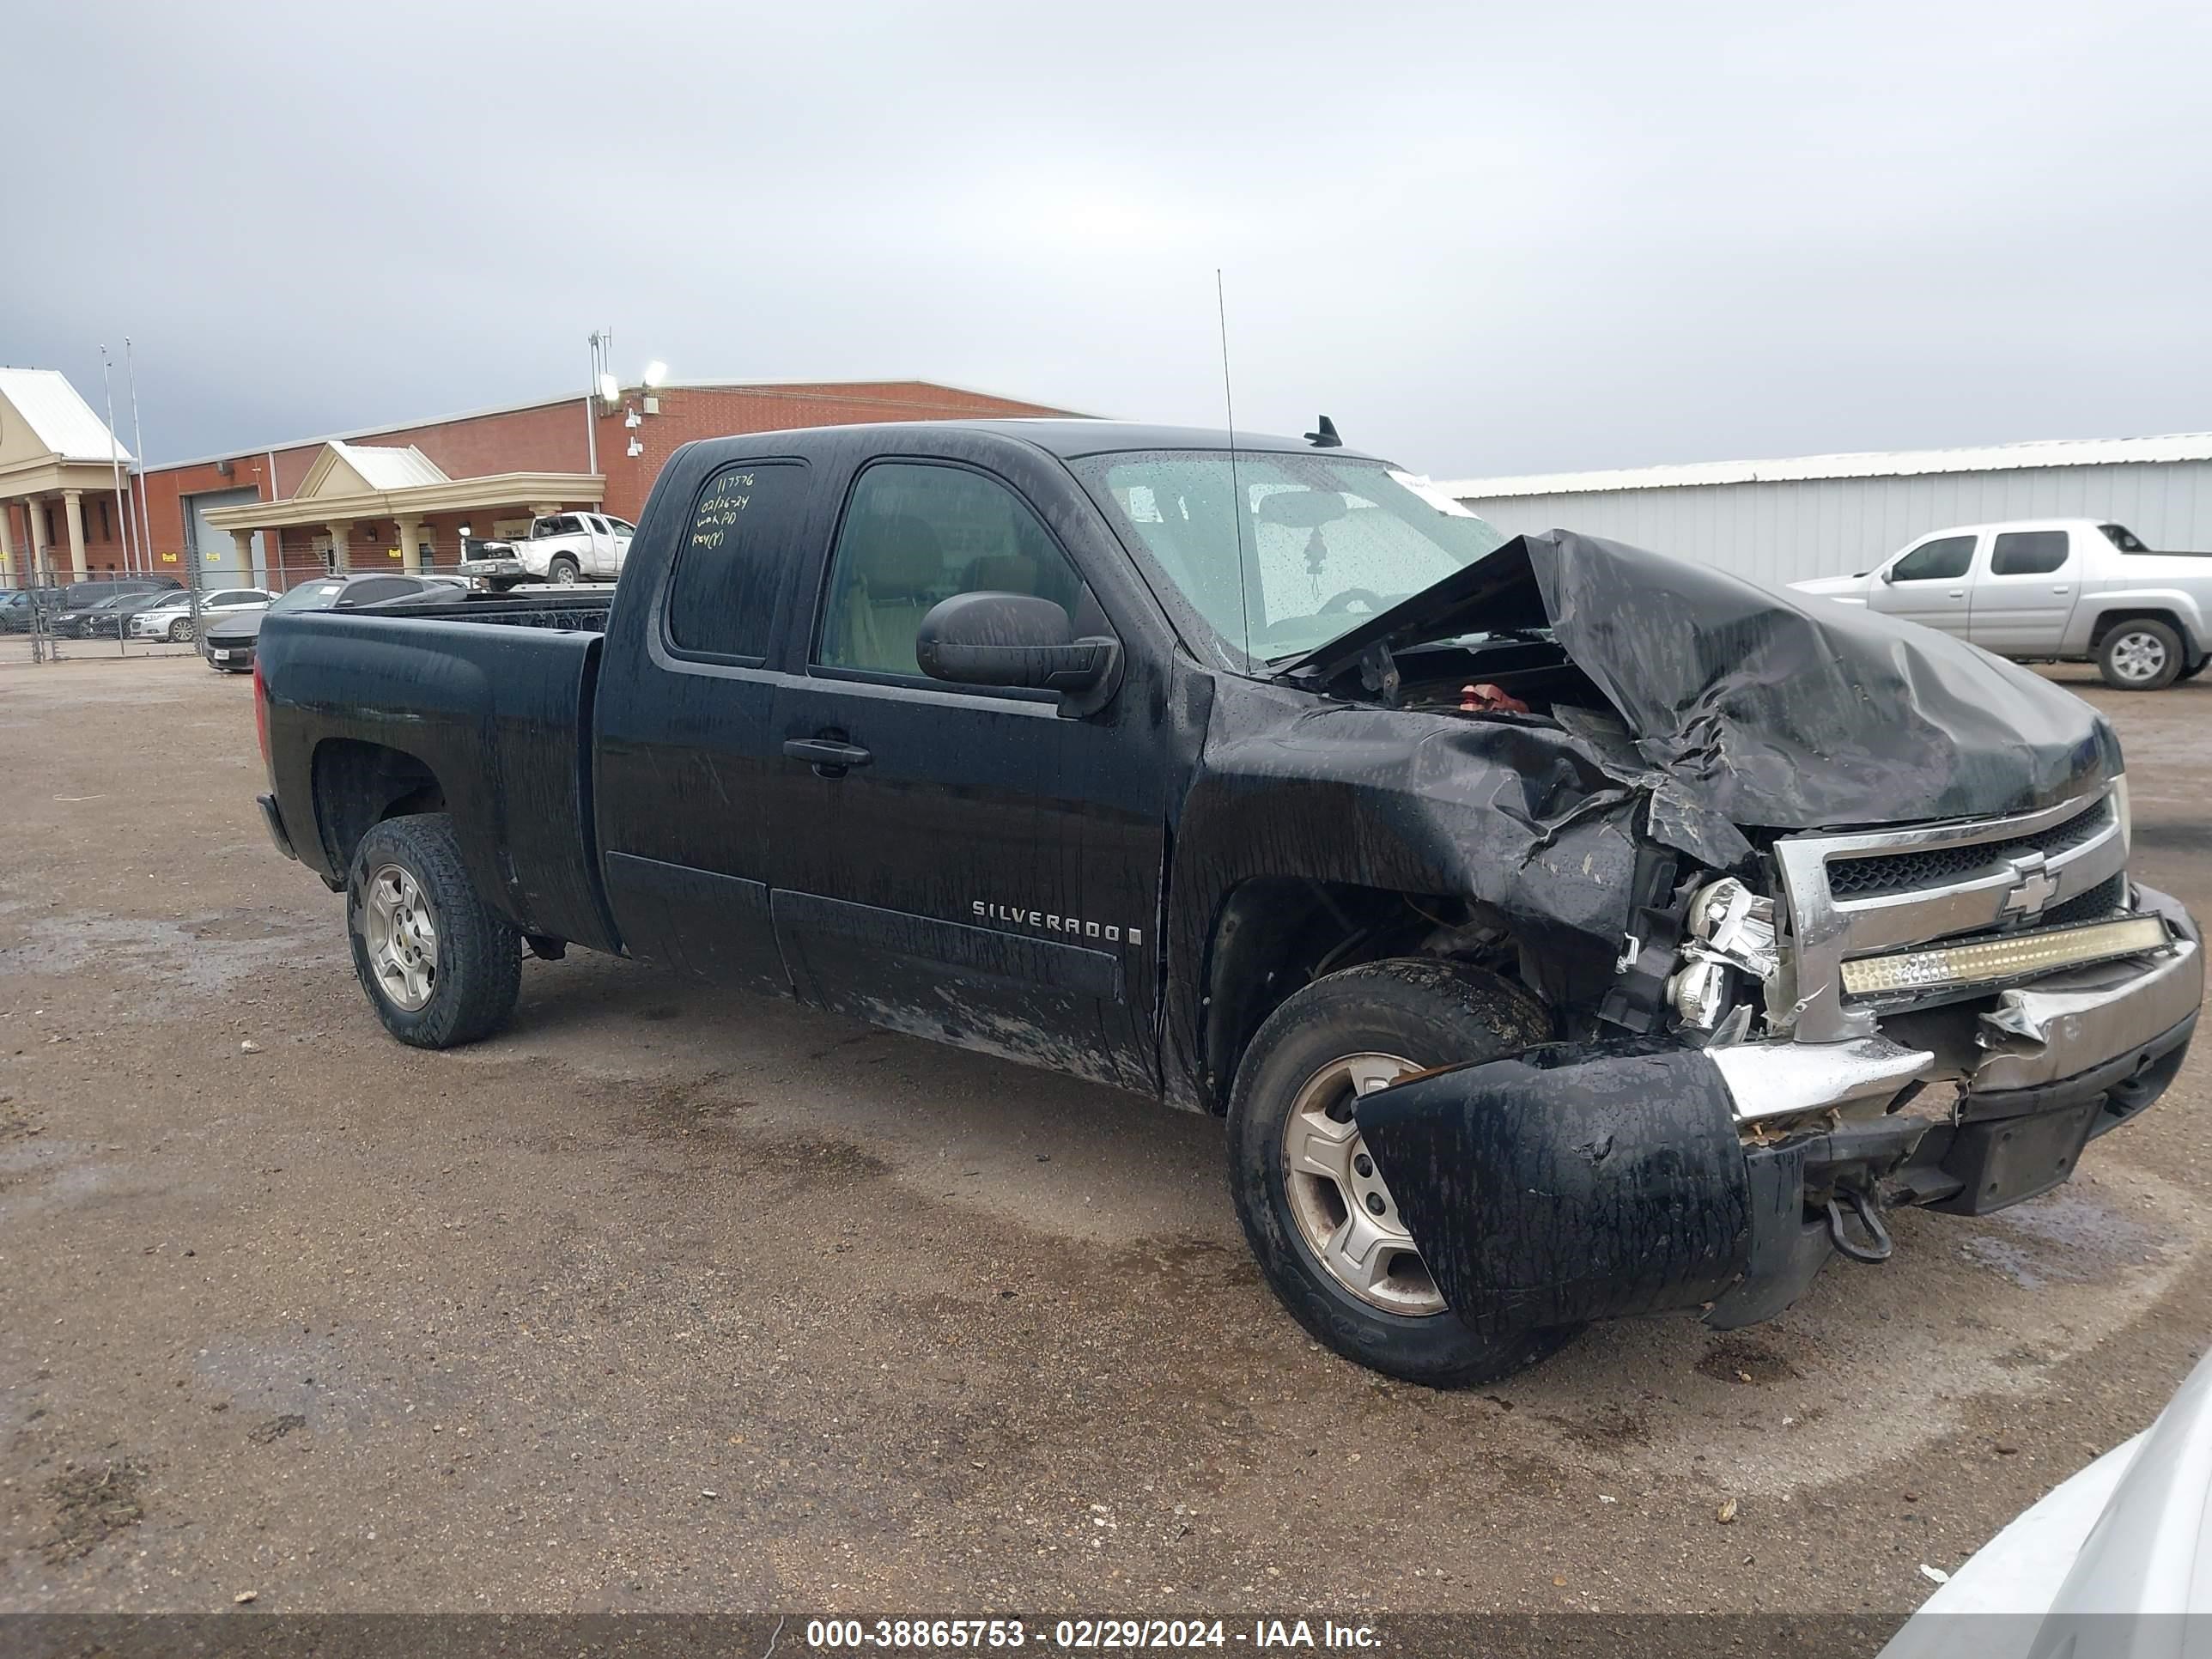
(669, 1298)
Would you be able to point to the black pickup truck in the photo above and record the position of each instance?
(1566, 931)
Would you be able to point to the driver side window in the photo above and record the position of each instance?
(916, 533)
(1944, 559)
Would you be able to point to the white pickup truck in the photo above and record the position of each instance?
(561, 547)
(2050, 590)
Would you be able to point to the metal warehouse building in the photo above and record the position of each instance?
(1828, 515)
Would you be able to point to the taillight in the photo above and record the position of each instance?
(260, 710)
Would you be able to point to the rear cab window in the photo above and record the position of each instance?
(2028, 552)
(736, 546)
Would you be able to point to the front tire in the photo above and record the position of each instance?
(1315, 1209)
(180, 630)
(439, 967)
(2140, 655)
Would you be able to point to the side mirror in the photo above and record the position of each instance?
(1014, 640)
(1889, 574)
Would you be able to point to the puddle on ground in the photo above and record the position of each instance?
(188, 958)
(2066, 1237)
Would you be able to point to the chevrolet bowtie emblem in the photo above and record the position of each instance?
(2031, 890)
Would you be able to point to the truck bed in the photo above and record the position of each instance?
(576, 609)
(489, 698)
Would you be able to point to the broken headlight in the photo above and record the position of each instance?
(1731, 933)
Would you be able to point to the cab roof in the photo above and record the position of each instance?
(1072, 438)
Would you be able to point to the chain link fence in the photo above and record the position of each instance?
(57, 621)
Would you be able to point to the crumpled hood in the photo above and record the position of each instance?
(1764, 708)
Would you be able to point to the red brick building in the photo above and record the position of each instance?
(506, 463)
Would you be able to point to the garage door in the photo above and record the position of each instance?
(212, 549)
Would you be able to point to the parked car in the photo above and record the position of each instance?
(2050, 590)
(229, 643)
(2109, 1563)
(81, 601)
(171, 618)
(78, 622)
(21, 607)
(111, 618)
(560, 547)
(1566, 931)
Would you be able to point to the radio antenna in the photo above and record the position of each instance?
(1235, 487)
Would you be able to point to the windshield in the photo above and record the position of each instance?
(1281, 553)
(312, 596)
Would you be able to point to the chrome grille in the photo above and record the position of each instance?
(1868, 892)
(2100, 902)
(1903, 872)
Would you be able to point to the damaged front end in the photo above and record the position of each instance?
(1806, 1026)
(1720, 1164)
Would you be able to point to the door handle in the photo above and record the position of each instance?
(829, 757)
(1957, 593)
(2059, 587)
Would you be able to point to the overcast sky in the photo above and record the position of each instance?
(1487, 239)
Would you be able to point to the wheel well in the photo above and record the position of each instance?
(359, 785)
(1276, 933)
(2104, 625)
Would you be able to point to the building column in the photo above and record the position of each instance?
(42, 564)
(8, 543)
(544, 509)
(73, 499)
(410, 544)
(340, 555)
(241, 543)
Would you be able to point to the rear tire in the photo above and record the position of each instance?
(407, 890)
(563, 570)
(1413, 1013)
(2140, 655)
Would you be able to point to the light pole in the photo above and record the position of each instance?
(115, 461)
(602, 340)
(138, 444)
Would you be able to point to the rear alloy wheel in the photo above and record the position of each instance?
(562, 571)
(1317, 1209)
(401, 936)
(439, 966)
(2140, 655)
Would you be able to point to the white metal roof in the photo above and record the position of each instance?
(387, 467)
(1872, 464)
(60, 420)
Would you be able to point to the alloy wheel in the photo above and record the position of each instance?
(1337, 1196)
(2138, 655)
(402, 936)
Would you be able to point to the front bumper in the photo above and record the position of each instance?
(237, 655)
(1575, 1184)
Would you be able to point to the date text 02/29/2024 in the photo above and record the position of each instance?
(939, 1635)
